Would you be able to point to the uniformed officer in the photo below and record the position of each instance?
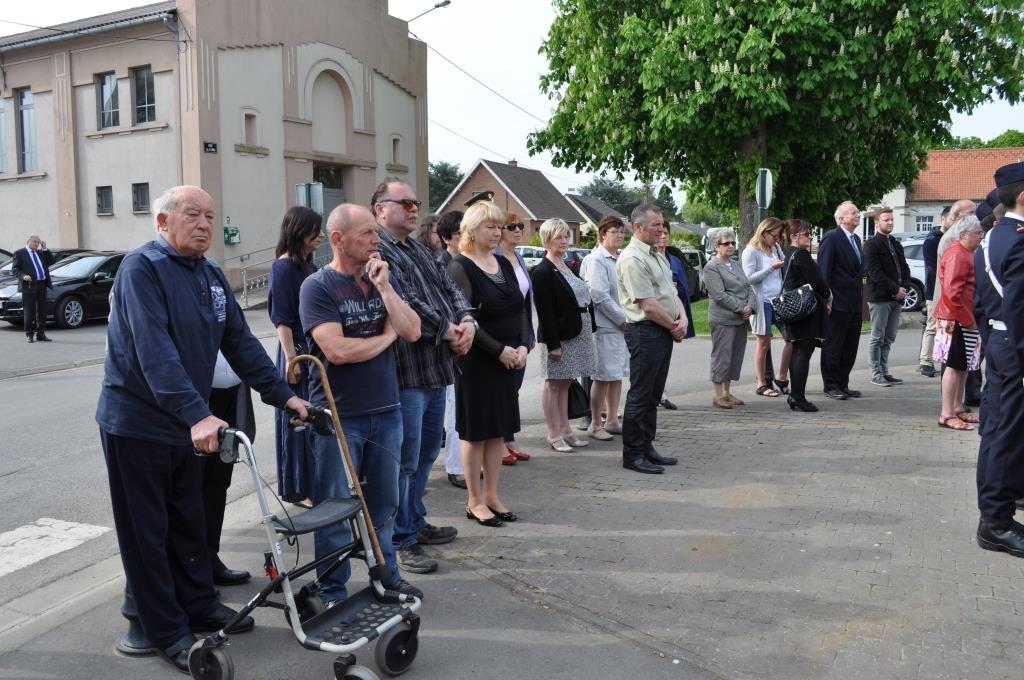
(1000, 474)
(172, 310)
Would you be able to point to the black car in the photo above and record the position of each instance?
(574, 258)
(6, 262)
(81, 290)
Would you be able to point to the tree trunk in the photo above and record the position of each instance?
(752, 148)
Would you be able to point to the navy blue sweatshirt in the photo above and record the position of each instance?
(170, 315)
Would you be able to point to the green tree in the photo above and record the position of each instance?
(840, 99)
(1007, 139)
(963, 143)
(442, 178)
(698, 212)
(613, 193)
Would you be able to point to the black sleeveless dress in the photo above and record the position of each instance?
(486, 398)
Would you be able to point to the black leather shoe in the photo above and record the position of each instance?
(504, 516)
(218, 618)
(835, 394)
(852, 394)
(177, 654)
(656, 458)
(42, 338)
(668, 405)
(641, 465)
(456, 482)
(1001, 536)
(803, 405)
(231, 577)
(926, 371)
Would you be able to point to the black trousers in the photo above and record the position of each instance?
(158, 516)
(1000, 474)
(650, 353)
(840, 351)
(799, 367)
(33, 296)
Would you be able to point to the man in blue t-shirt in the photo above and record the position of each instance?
(353, 312)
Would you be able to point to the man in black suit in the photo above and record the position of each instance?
(32, 267)
(888, 281)
(842, 265)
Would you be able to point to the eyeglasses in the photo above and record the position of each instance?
(515, 226)
(727, 243)
(803, 233)
(407, 203)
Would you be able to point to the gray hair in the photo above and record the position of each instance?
(164, 205)
(639, 216)
(719, 235)
(965, 224)
(839, 210)
(551, 229)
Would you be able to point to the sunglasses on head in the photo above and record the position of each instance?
(407, 203)
(515, 226)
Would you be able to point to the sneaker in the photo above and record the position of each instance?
(431, 535)
(892, 380)
(406, 588)
(584, 423)
(927, 371)
(880, 381)
(415, 560)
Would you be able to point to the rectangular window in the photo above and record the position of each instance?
(250, 129)
(106, 91)
(104, 201)
(3, 140)
(923, 222)
(394, 150)
(25, 128)
(140, 197)
(145, 98)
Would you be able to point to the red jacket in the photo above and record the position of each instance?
(956, 275)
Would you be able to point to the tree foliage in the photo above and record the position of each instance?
(442, 178)
(698, 212)
(617, 194)
(840, 98)
(1006, 139)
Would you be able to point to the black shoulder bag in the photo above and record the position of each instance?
(796, 304)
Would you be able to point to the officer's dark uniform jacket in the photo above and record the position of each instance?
(170, 315)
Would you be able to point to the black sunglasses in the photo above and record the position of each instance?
(727, 243)
(515, 226)
(407, 203)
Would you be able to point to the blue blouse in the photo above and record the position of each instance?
(283, 299)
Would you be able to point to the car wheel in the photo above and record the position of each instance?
(914, 299)
(70, 313)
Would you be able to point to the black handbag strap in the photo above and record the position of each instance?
(785, 269)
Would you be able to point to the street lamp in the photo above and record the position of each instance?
(437, 5)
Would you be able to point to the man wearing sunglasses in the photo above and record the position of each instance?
(425, 367)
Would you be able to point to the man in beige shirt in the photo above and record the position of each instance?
(654, 320)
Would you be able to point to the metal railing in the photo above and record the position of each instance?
(256, 276)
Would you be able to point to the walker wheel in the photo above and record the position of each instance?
(396, 649)
(358, 672)
(210, 663)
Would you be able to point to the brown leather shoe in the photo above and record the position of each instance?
(721, 403)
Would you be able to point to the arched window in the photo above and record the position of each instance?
(331, 113)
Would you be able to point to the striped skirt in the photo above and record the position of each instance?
(957, 347)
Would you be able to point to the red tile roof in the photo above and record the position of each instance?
(953, 174)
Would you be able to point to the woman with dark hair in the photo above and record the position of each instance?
(799, 268)
(426, 234)
(512, 236)
(448, 232)
(300, 236)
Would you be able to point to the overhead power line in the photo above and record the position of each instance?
(81, 31)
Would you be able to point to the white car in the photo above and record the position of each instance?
(915, 294)
(531, 256)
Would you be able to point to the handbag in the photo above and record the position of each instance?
(579, 400)
(794, 305)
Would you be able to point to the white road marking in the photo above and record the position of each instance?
(28, 544)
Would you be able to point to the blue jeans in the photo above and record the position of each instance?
(374, 442)
(422, 425)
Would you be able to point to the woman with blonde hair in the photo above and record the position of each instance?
(762, 263)
(486, 399)
(565, 326)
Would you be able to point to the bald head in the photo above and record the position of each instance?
(352, 232)
(342, 217)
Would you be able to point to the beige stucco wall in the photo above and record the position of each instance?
(29, 206)
(250, 80)
(395, 116)
(120, 158)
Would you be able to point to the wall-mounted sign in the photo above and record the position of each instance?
(209, 147)
(232, 236)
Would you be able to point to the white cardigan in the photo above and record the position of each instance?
(758, 267)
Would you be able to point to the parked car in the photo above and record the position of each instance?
(915, 293)
(694, 260)
(574, 258)
(81, 290)
(5, 256)
(531, 256)
(5, 266)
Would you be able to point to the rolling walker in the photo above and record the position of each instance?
(374, 613)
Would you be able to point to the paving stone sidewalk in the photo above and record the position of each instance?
(829, 545)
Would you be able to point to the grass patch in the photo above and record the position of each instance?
(700, 318)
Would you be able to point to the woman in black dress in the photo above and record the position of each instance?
(486, 399)
(799, 268)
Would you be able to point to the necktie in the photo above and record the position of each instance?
(37, 264)
(856, 248)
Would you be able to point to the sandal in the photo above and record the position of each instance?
(954, 423)
(767, 391)
(967, 416)
(783, 385)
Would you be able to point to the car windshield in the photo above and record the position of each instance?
(912, 251)
(77, 265)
